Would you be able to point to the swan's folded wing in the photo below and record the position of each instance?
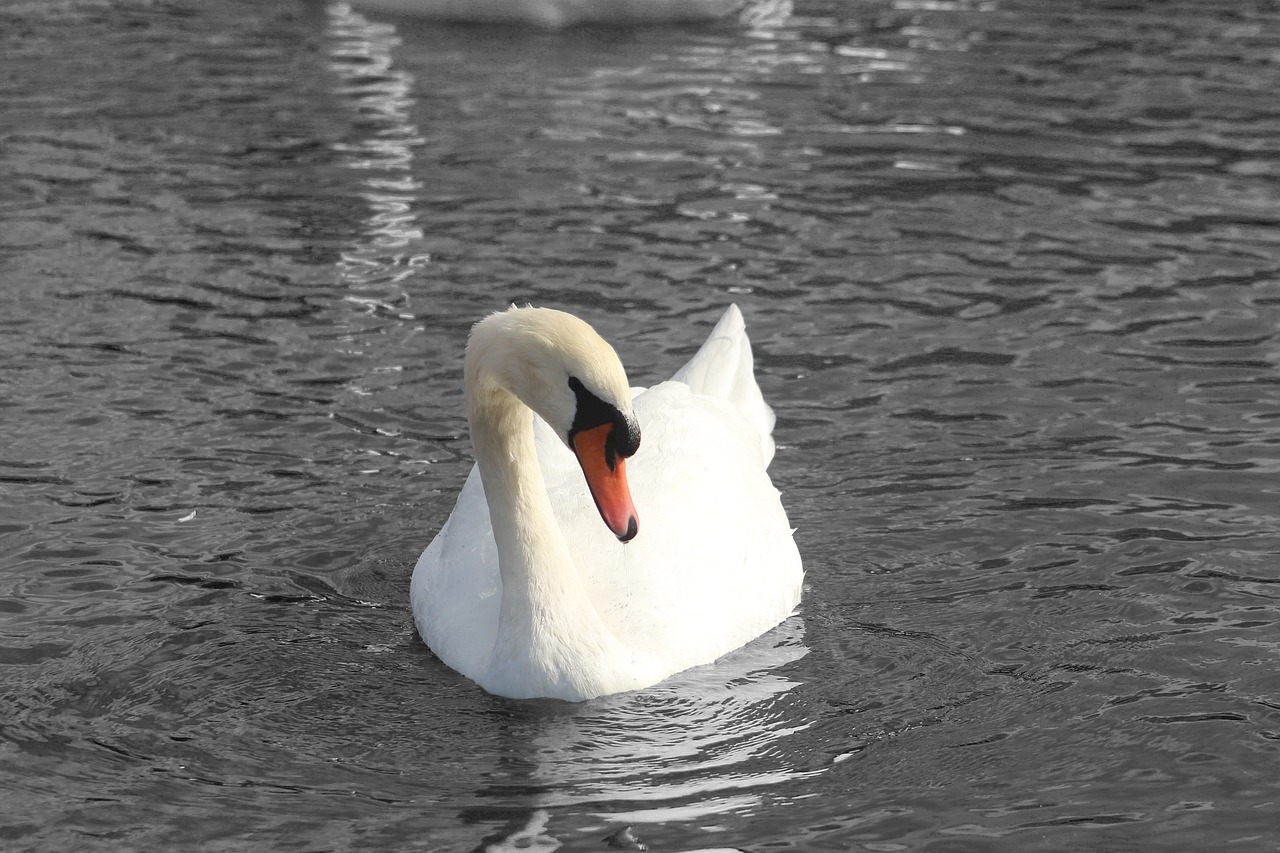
(724, 367)
(456, 589)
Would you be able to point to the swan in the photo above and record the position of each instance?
(555, 14)
(526, 592)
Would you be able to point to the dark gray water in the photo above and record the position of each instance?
(1013, 274)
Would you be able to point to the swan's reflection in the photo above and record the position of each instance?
(712, 740)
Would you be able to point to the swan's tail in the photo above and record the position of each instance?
(723, 367)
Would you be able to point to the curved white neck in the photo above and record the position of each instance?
(548, 626)
(529, 541)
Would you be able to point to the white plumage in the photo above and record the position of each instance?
(570, 611)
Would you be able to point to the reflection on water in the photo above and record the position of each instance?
(1009, 271)
(713, 731)
(361, 60)
(705, 745)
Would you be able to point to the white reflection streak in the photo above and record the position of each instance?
(360, 55)
(707, 741)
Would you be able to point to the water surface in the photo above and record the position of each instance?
(1011, 271)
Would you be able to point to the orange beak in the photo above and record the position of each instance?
(606, 474)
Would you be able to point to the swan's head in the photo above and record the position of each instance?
(563, 370)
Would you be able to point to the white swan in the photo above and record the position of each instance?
(525, 591)
(554, 14)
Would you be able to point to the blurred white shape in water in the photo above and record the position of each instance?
(532, 836)
(554, 14)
